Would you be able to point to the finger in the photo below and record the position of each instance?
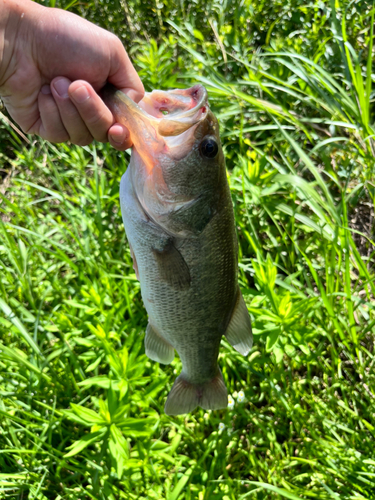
(73, 123)
(122, 73)
(95, 114)
(50, 125)
(119, 137)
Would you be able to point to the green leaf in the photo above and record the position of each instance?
(90, 417)
(112, 401)
(120, 440)
(119, 414)
(175, 493)
(100, 381)
(279, 354)
(272, 337)
(138, 427)
(13, 476)
(9, 314)
(119, 449)
(20, 357)
(123, 388)
(198, 35)
(275, 489)
(305, 349)
(80, 445)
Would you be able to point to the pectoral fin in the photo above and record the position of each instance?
(239, 333)
(157, 348)
(172, 267)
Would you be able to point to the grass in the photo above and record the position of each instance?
(81, 406)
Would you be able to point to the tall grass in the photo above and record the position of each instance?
(81, 406)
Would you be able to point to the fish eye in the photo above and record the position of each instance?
(209, 148)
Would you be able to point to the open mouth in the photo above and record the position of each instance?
(175, 110)
(182, 103)
(169, 113)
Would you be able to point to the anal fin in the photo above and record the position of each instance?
(186, 396)
(157, 348)
(239, 333)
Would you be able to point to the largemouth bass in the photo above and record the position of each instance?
(178, 217)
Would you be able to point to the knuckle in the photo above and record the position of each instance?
(69, 112)
(34, 129)
(56, 137)
(96, 120)
(100, 137)
(83, 141)
(115, 41)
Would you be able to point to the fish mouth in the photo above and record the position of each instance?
(176, 110)
(160, 114)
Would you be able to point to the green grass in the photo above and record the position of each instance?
(81, 406)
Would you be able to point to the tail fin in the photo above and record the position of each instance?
(185, 396)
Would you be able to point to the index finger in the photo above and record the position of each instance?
(96, 115)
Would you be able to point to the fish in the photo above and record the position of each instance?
(179, 221)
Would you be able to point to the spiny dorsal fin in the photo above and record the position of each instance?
(239, 333)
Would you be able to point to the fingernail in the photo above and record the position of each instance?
(45, 89)
(61, 87)
(118, 134)
(80, 95)
(117, 139)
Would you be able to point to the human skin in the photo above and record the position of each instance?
(52, 64)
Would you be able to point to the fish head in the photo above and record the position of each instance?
(177, 161)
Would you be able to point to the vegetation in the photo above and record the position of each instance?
(81, 407)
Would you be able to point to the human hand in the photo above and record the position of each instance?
(53, 65)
